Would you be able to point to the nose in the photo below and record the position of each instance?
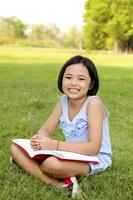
(73, 81)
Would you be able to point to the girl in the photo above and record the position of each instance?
(83, 119)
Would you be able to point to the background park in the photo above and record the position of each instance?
(31, 56)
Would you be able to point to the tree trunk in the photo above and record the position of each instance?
(118, 47)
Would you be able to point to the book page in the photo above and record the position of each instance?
(25, 144)
(79, 157)
(66, 155)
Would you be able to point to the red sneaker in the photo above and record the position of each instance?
(72, 185)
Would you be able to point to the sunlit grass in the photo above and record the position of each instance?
(28, 92)
(29, 55)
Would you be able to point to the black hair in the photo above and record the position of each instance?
(91, 70)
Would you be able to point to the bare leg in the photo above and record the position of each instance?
(32, 167)
(64, 169)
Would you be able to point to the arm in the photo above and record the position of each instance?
(96, 114)
(52, 122)
(47, 129)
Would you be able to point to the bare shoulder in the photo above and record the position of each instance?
(95, 106)
(95, 102)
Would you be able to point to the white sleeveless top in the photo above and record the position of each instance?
(77, 130)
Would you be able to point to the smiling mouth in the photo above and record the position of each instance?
(73, 90)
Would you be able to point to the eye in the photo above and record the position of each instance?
(81, 79)
(67, 77)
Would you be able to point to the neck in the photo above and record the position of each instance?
(77, 102)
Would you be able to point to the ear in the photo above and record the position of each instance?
(91, 85)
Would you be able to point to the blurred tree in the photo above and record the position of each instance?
(11, 28)
(53, 32)
(15, 25)
(96, 16)
(73, 38)
(43, 35)
(6, 32)
(120, 26)
(38, 32)
(108, 24)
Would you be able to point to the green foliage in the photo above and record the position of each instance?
(120, 26)
(28, 86)
(12, 27)
(96, 16)
(73, 38)
(108, 22)
(14, 31)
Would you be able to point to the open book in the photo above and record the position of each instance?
(24, 145)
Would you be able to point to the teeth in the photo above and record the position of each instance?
(73, 90)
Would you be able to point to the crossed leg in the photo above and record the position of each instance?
(63, 169)
(52, 170)
(32, 167)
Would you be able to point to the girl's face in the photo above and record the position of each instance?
(76, 81)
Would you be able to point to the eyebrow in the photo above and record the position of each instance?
(82, 76)
(67, 74)
(79, 75)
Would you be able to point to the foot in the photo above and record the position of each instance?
(73, 187)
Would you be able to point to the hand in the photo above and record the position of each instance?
(39, 142)
(35, 144)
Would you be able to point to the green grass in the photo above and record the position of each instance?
(22, 56)
(28, 92)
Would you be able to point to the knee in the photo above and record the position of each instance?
(13, 149)
(52, 166)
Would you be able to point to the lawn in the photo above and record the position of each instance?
(29, 91)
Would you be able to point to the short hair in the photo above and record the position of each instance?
(91, 70)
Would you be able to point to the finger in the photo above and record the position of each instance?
(35, 144)
(37, 147)
(34, 137)
(34, 140)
